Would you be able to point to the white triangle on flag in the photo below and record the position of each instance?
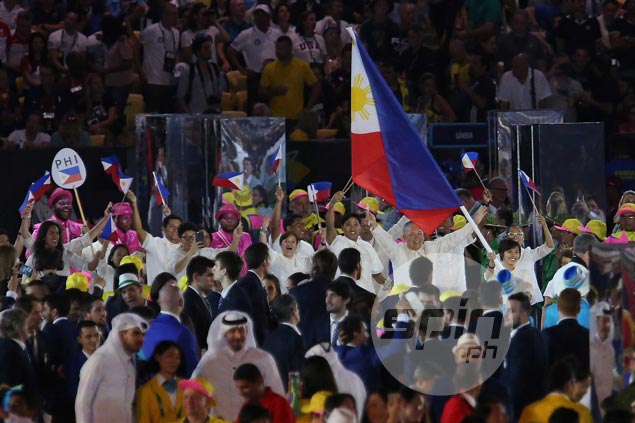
(238, 181)
(124, 184)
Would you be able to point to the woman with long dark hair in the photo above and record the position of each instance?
(50, 255)
(160, 400)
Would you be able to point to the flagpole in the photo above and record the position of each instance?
(479, 178)
(317, 212)
(346, 187)
(81, 209)
(480, 236)
(531, 199)
(279, 177)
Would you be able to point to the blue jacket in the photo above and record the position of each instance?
(167, 328)
(314, 319)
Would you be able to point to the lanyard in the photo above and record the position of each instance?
(315, 42)
(212, 78)
(173, 50)
(74, 41)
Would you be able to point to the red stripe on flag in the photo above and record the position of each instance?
(370, 166)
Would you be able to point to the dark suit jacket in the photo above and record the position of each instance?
(16, 368)
(260, 314)
(167, 328)
(61, 338)
(361, 300)
(287, 348)
(200, 314)
(72, 368)
(525, 368)
(236, 299)
(567, 338)
(213, 298)
(314, 319)
(115, 305)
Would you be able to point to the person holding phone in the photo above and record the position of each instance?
(192, 245)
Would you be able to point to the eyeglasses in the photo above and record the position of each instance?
(512, 234)
(628, 216)
(189, 238)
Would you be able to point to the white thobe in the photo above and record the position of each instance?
(218, 367)
(106, 388)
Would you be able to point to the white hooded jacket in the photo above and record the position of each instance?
(107, 380)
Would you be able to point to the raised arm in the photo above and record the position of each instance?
(277, 212)
(331, 231)
(545, 231)
(138, 226)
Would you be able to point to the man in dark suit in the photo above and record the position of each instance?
(16, 368)
(285, 343)
(454, 315)
(168, 327)
(36, 345)
(525, 363)
(314, 319)
(257, 259)
(227, 270)
(61, 337)
(88, 340)
(568, 337)
(200, 281)
(350, 263)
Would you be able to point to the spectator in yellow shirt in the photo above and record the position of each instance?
(283, 81)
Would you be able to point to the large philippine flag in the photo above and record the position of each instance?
(389, 157)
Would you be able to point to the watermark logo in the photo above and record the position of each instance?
(440, 348)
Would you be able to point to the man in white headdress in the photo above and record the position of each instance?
(347, 381)
(107, 380)
(231, 343)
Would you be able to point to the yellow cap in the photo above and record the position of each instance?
(182, 283)
(449, 294)
(570, 225)
(228, 197)
(316, 405)
(297, 193)
(595, 227)
(79, 280)
(243, 197)
(399, 289)
(339, 208)
(134, 260)
(458, 222)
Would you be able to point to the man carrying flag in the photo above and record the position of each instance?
(389, 158)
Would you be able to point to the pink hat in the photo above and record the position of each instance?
(121, 209)
(59, 192)
(199, 384)
(626, 208)
(227, 208)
